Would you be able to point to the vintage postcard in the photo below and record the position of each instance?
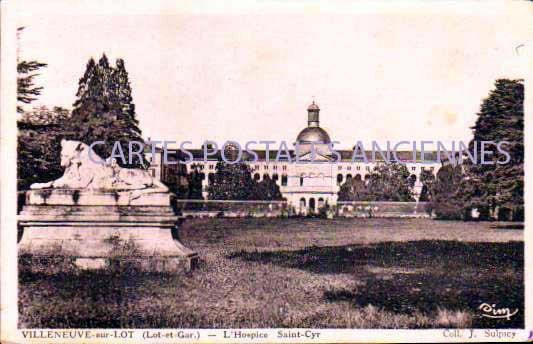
(265, 171)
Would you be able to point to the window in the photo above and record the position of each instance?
(422, 168)
(284, 180)
(275, 167)
(358, 168)
(340, 167)
(266, 167)
(284, 168)
(256, 167)
(302, 204)
(413, 168)
(432, 168)
(367, 168)
(302, 179)
(349, 168)
(211, 166)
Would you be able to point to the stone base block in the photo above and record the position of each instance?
(94, 236)
(94, 197)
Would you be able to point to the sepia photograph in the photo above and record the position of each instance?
(264, 171)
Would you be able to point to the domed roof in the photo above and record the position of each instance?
(313, 107)
(313, 134)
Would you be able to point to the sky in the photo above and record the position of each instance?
(248, 71)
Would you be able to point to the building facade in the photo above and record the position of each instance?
(314, 180)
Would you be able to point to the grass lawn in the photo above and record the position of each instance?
(269, 272)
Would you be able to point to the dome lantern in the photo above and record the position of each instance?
(313, 133)
(313, 112)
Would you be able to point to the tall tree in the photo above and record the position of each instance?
(267, 190)
(499, 186)
(104, 110)
(38, 149)
(354, 190)
(388, 182)
(231, 182)
(446, 192)
(235, 182)
(427, 178)
(192, 188)
(27, 91)
(122, 96)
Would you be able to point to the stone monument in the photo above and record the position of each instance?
(96, 204)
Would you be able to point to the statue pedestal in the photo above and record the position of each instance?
(90, 227)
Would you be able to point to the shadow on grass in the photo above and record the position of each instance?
(418, 276)
(509, 226)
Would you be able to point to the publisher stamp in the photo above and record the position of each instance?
(493, 312)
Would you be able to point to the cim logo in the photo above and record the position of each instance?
(490, 311)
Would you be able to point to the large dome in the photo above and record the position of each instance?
(313, 134)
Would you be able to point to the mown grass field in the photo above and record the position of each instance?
(343, 273)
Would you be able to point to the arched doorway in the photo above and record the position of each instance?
(302, 205)
(312, 205)
(320, 202)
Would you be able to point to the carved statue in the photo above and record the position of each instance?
(82, 172)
